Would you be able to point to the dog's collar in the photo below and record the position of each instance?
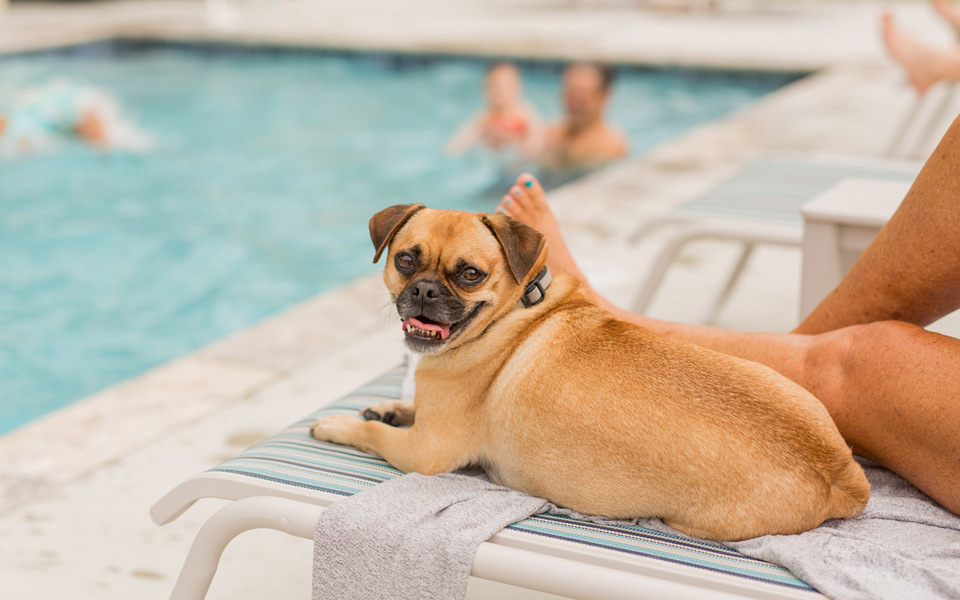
(537, 290)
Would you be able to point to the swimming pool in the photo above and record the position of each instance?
(256, 195)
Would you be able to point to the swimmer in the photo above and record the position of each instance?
(583, 140)
(507, 123)
(40, 117)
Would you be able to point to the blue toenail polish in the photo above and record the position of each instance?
(509, 201)
(516, 191)
(528, 183)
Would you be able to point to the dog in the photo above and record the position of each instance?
(554, 396)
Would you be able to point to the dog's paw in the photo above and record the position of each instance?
(394, 412)
(335, 428)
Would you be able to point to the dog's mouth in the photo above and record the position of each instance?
(425, 329)
(421, 330)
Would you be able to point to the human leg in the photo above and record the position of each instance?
(924, 65)
(893, 392)
(949, 13)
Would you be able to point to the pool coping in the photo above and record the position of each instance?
(529, 29)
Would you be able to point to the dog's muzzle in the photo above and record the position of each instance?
(431, 314)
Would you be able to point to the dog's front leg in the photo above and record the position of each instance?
(405, 448)
(392, 412)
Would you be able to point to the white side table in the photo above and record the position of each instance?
(838, 225)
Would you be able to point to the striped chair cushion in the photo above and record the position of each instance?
(773, 189)
(293, 460)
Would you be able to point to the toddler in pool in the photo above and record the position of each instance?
(508, 123)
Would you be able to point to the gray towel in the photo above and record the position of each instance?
(415, 537)
(411, 537)
(903, 545)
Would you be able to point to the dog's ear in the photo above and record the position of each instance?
(521, 243)
(386, 223)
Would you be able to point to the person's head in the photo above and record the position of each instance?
(3, 124)
(503, 85)
(586, 88)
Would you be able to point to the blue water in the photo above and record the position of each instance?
(266, 169)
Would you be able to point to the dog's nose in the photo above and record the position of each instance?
(427, 291)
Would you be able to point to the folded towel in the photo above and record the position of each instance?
(411, 537)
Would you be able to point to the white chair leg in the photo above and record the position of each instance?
(710, 317)
(659, 269)
(743, 232)
(296, 518)
(657, 223)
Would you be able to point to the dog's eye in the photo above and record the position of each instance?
(405, 262)
(471, 275)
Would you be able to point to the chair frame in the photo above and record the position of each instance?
(504, 558)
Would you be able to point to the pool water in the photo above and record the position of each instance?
(266, 167)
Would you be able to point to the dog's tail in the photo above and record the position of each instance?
(849, 491)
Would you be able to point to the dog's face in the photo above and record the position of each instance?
(453, 273)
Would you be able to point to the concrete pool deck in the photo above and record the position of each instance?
(75, 486)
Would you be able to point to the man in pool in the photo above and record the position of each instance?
(891, 386)
(583, 140)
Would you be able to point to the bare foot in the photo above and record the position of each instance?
(527, 203)
(924, 66)
(949, 13)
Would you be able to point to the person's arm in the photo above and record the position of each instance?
(536, 134)
(465, 137)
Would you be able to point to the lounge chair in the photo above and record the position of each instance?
(285, 482)
(761, 204)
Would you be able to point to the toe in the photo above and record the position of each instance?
(528, 181)
(532, 185)
(512, 206)
(505, 203)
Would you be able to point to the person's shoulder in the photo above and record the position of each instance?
(555, 130)
(616, 139)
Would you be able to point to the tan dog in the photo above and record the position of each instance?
(564, 401)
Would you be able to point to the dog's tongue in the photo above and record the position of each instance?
(443, 329)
